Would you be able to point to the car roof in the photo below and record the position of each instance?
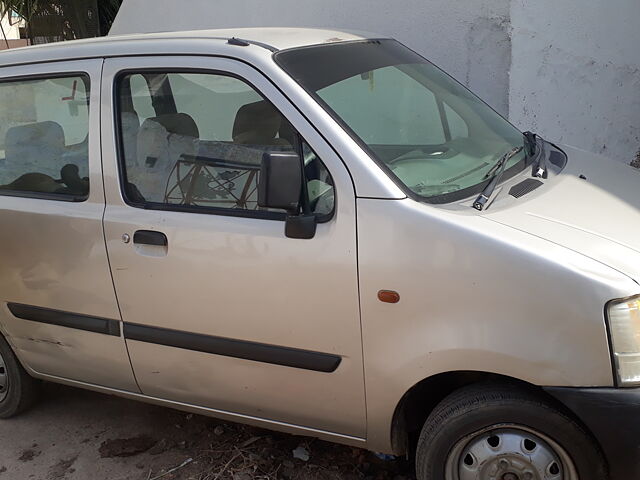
(271, 38)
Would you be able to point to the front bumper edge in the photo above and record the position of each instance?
(613, 416)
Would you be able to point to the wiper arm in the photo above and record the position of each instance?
(486, 193)
(531, 144)
(492, 171)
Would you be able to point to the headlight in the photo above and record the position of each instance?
(624, 327)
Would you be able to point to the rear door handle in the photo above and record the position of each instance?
(149, 237)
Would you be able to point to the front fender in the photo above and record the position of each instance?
(474, 296)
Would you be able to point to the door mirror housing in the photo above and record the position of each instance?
(280, 186)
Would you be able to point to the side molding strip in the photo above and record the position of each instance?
(65, 319)
(258, 352)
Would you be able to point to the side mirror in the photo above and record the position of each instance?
(280, 183)
(280, 186)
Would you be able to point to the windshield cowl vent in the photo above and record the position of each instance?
(522, 188)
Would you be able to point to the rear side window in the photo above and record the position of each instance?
(44, 127)
(195, 141)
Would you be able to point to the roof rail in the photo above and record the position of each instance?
(241, 42)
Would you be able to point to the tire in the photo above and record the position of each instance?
(491, 431)
(18, 390)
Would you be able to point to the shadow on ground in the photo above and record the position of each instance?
(79, 435)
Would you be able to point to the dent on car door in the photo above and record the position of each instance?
(221, 309)
(58, 308)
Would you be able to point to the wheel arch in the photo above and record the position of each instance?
(419, 401)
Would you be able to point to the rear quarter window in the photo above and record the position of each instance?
(44, 127)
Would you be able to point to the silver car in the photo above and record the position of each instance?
(322, 233)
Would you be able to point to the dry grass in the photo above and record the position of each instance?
(200, 448)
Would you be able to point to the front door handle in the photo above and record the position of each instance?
(149, 237)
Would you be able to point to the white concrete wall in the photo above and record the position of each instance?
(469, 39)
(11, 32)
(575, 73)
(568, 69)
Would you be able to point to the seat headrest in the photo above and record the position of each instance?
(178, 124)
(130, 120)
(49, 134)
(162, 140)
(256, 123)
(37, 147)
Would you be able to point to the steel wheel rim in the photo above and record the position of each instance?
(4, 379)
(509, 452)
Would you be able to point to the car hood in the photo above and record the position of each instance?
(591, 207)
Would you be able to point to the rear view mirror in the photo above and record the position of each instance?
(280, 183)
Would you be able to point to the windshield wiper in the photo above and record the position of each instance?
(531, 145)
(499, 168)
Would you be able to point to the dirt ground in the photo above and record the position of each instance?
(79, 435)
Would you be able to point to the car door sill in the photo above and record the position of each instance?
(212, 412)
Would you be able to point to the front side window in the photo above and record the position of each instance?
(196, 140)
(438, 140)
(44, 129)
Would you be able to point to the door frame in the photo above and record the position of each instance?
(345, 196)
(64, 329)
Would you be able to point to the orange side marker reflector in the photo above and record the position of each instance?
(388, 296)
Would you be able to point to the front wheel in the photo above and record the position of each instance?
(502, 432)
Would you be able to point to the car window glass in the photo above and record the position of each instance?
(214, 100)
(202, 146)
(44, 126)
(141, 98)
(320, 189)
(457, 127)
(396, 113)
(426, 130)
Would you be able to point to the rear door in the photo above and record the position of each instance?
(58, 307)
(220, 308)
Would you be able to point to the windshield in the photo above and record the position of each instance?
(437, 139)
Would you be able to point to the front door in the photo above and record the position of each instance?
(58, 307)
(220, 308)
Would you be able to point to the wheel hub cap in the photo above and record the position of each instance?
(508, 453)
